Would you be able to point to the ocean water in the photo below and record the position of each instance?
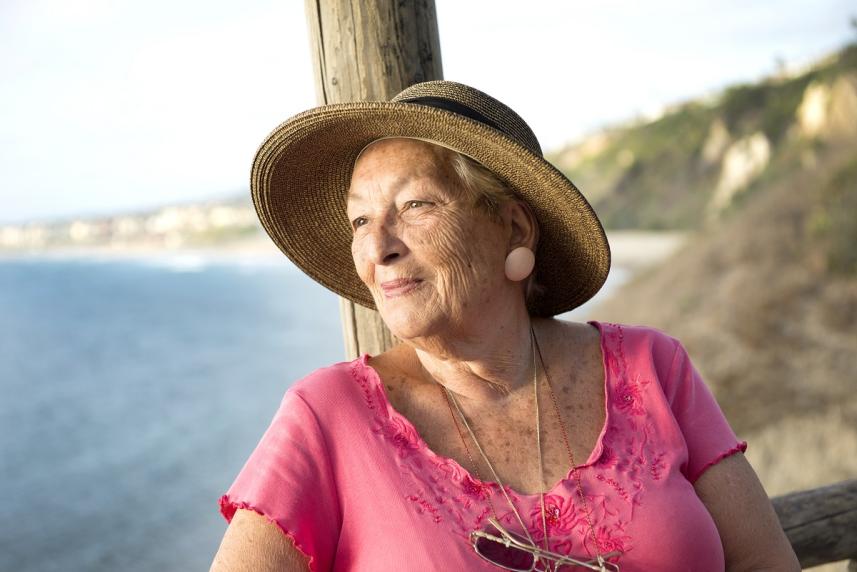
(131, 393)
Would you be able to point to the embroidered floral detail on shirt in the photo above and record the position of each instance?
(610, 539)
(402, 435)
(608, 456)
(450, 469)
(620, 490)
(474, 488)
(560, 514)
(360, 374)
(657, 465)
(630, 394)
(425, 506)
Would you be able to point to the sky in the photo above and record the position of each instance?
(112, 106)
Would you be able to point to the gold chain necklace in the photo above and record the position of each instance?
(450, 399)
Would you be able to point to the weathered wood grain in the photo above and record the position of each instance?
(821, 523)
(366, 50)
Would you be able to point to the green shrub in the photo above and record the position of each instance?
(832, 223)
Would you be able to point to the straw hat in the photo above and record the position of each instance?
(302, 172)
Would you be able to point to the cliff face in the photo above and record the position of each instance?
(764, 293)
(767, 301)
(686, 168)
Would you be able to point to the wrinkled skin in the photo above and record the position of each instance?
(442, 240)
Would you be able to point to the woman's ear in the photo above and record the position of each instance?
(521, 224)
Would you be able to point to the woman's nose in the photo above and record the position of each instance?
(384, 244)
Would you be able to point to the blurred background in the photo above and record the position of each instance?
(148, 329)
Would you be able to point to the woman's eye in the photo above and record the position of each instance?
(359, 221)
(415, 204)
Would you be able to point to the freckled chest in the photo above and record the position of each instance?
(507, 435)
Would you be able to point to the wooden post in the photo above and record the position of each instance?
(365, 50)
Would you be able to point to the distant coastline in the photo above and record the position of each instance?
(170, 227)
(630, 249)
(226, 229)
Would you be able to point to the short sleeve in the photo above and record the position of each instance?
(706, 431)
(288, 479)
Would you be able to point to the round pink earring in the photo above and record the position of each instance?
(520, 263)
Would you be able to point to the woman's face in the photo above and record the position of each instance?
(430, 258)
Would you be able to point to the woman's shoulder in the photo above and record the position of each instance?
(637, 336)
(331, 384)
(639, 347)
(628, 342)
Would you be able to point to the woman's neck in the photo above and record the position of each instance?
(489, 364)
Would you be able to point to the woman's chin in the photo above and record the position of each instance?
(407, 321)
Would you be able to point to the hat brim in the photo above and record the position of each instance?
(302, 171)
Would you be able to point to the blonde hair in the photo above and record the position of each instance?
(484, 187)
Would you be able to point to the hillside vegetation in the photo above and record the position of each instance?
(764, 292)
(691, 164)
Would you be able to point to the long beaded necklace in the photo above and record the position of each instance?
(450, 399)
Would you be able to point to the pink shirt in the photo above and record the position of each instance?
(350, 480)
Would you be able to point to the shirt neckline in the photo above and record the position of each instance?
(420, 444)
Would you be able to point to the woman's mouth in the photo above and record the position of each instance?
(399, 287)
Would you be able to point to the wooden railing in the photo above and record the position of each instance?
(821, 523)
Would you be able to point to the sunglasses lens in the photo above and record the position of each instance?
(508, 557)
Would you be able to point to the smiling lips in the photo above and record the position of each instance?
(399, 287)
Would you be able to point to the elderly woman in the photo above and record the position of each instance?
(493, 436)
